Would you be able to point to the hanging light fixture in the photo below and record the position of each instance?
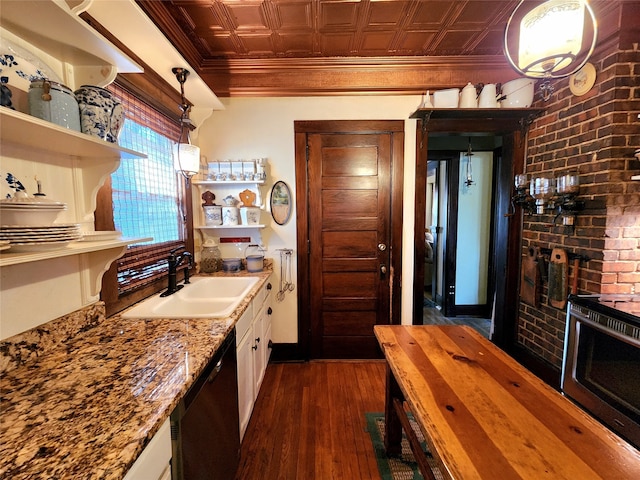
(551, 40)
(469, 172)
(186, 157)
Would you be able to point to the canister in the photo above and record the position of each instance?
(250, 215)
(54, 102)
(230, 216)
(254, 256)
(212, 215)
(210, 257)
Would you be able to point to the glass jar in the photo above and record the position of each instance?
(210, 257)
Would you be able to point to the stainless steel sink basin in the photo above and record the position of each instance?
(204, 297)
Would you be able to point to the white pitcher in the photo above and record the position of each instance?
(487, 98)
(468, 97)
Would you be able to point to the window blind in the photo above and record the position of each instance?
(146, 193)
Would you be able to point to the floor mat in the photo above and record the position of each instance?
(397, 468)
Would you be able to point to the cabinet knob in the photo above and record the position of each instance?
(258, 340)
(269, 311)
(269, 287)
(255, 347)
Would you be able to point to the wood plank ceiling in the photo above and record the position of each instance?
(331, 47)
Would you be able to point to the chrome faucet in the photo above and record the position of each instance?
(174, 262)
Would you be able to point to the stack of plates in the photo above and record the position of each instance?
(30, 211)
(30, 238)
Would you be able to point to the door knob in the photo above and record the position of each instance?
(383, 269)
(382, 247)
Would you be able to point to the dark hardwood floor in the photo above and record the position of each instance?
(308, 422)
(431, 315)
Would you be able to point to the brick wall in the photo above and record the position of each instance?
(595, 134)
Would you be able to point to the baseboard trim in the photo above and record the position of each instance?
(286, 352)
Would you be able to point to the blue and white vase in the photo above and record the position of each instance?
(101, 115)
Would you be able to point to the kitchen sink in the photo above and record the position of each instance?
(204, 297)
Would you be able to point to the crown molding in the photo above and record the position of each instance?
(350, 76)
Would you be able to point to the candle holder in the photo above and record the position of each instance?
(567, 189)
(521, 198)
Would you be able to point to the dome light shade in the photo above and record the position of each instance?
(186, 158)
(551, 36)
(553, 40)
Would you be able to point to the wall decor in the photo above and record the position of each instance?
(582, 81)
(281, 202)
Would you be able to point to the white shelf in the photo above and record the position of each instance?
(8, 258)
(55, 29)
(22, 129)
(229, 227)
(228, 182)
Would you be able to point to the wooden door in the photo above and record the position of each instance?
(349, 236)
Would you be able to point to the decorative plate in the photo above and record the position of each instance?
(21, 66)
(38, 246)
(582, 81)
(100, 236)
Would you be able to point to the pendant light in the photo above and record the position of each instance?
(469, 171)
(186, 157)
(551, 40)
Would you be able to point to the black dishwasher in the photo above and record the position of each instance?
(205, 428)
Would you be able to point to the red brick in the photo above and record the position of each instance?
(618, 289)
(609, 278)
(629, 277)
(631, 232)
(620, 244)
(619, 267)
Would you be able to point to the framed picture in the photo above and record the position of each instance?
(281, 202)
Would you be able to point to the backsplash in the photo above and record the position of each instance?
(20, 349)
(595, 134)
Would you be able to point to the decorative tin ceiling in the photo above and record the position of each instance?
(302, 47)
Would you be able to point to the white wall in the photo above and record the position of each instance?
(264, 127)
(474, 225)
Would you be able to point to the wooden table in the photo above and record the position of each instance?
(484, 416)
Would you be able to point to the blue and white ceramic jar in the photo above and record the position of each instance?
(55, 103)
(101, 115)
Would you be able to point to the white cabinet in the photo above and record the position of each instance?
(253, 338)
(154, 461)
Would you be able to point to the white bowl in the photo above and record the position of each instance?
(446, 98)
(517, 93)
(26, 216)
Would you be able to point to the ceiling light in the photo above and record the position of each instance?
(551, 39)
(186, 157)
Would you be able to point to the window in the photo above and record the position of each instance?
(147, 197)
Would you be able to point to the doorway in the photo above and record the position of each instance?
(462, 172)
(507, 147)
(349, 217)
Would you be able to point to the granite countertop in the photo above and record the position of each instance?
(87, 408)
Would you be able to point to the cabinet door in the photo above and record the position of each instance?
(267, 331)
(259, 349)
(246, 394)
(153, 462)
